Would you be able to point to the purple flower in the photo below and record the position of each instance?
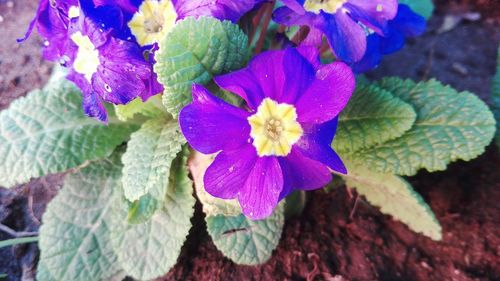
(345, 23)
(79, 35)
(283, 141)
(150, 20)
(405, 25)
(105, 68)
(52, 20)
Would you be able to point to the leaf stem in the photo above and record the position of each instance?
(16, 241)
(13, 233)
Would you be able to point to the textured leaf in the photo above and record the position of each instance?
(372, 116)
(395, 196)
(495, 98)
(245, 241)
(149, 155)
(74, 240)
(149, 250)
(450, 126)
(193, 52)
(42, 273)
(212, 206)
(153, 107)
(424, 8)
(47, 132)
(143, 209)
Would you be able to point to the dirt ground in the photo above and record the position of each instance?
(330, 240)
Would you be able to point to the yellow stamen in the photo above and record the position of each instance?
(274, 128)
(153, 21)
(87, 57)
(329, 6)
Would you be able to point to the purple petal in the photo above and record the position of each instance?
(295, 5)
(314, 38)
(303, 173)
(316, 145)
(227, 175)
(409, 23)
(346, 37)
(327, 95)
(299, 74)
(373, 13)
(242, 83)
(288, 17)
(220, 9)
(260, 194)
(311, 54)
(122, 71)
(372, 57)
(210, 124)
(91, 102)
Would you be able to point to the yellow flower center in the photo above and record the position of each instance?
(153, 21)
(329, 6)
(274, 128)
(87, 57)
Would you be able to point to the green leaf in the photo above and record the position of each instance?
(219, 47)
(495, 98)
(245, 241)
(450, 126)
(395, 196)
(42, 273)
(372, 116)
(143, 209)
(212, 206)
(74, 237)
(148, 158)
(424, 8)
(47, 132)
(149, 250)
(153, 107)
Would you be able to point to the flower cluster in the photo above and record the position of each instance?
(109, 45)
(280, 139)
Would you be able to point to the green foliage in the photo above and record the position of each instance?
(148, 158)
(421, 7)
(212, 206)
(17, 241)
(143, 209)
(153, 107)
(449, 126)
(372, 116)
(245, 241)
(394, 196)
(193, 52)
(148, 250)
(74, 237)
(495, 98)
(47, 132)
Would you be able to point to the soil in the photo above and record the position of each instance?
(332, 239)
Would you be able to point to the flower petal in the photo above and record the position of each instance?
(210, 124)
(373, 13)
(227, 175)
(299, 74)
(327, 95)
(260, 194)
(300, 172)
(242, 83)
(122, 71)
(220, 9)
(316, 145)
(346, 37)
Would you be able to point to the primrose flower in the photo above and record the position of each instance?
(345, 23)
(406, 24)
(151, 20)
(283, 141)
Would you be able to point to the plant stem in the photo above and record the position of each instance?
(268, 12)
(13, 233)
(16, 241)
